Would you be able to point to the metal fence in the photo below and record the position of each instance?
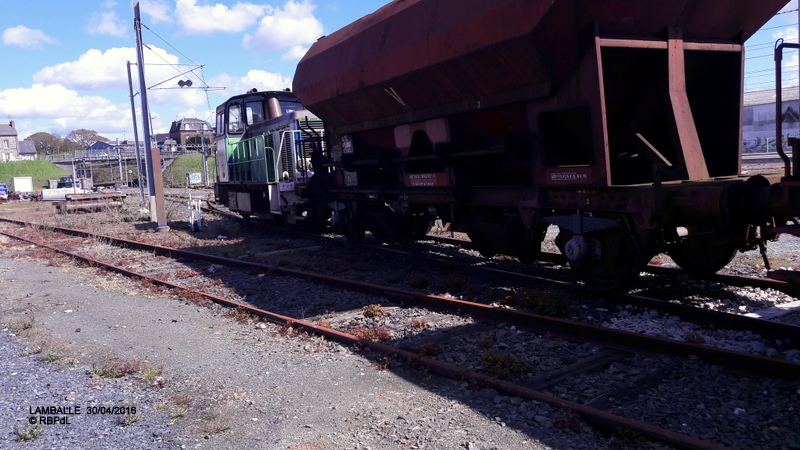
(120, 152)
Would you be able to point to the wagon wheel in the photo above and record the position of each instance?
(702, 259)
(618, 265)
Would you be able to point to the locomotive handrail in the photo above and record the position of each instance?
(779, 46)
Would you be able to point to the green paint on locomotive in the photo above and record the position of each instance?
(270, 156)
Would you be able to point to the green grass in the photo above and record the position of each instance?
(175, 174)
(40, 171)
(43, 171)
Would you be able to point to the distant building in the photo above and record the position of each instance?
(98, 150)
(9, 145)
(27, 150)
(187, 128)
(758, 119)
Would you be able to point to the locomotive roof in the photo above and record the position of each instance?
(285, 94)
(281, 95)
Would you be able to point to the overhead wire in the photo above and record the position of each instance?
(205, 87)
(760, 51)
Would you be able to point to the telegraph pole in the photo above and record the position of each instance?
(156, 182)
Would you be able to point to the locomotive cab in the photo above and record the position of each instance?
(265, 143)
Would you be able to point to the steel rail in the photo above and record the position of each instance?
(732, 280)
(595, 415)
(574, 331)
(769, 330)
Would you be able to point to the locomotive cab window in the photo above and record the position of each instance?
(289, 107)
(235, 124)
(566, 137)
(255, 112)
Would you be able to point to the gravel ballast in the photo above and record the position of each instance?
(227, 384)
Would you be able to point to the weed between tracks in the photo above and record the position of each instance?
(419, 324)
(427, 349)
(28, 433)
(129, 419)
(374, 311)
(19, 324)
(239, 314)
(503, 366)
(376, 334)
(457, 285)
(543, 301)
(117, 368)
(418, 281)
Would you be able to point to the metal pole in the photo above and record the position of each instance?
(136, 135)
(205, 162)
(74, 174)
(156, 185)
(119, 163)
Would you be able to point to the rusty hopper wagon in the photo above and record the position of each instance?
(619, 121)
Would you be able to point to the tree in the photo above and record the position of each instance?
(46, 143)
(83, 138)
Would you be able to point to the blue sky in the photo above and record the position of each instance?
(64, 61)
(759, 58)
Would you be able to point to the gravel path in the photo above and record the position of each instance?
(225, 384)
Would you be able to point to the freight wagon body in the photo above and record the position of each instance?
(619, 121)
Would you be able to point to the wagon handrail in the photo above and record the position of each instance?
(779, 46)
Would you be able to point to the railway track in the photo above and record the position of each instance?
(656, 269)
(620, 343)
(706, 317)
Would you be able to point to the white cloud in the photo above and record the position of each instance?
(209, 19)
(156, 10)
(787, 34)
(106, 23)
(291, 26)
(258, 79)
(23, 36)
(59, 91)
(38, 101)
(202, 114)
(295, 53)
(96, 70)
(64, 110)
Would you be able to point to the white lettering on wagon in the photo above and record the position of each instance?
(426, 179)
(568, 176)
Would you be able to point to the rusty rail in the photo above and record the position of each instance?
(598, 416)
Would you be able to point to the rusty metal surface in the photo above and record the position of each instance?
(787, 276)
(434, 58)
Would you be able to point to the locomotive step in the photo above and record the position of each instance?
(788, 276)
